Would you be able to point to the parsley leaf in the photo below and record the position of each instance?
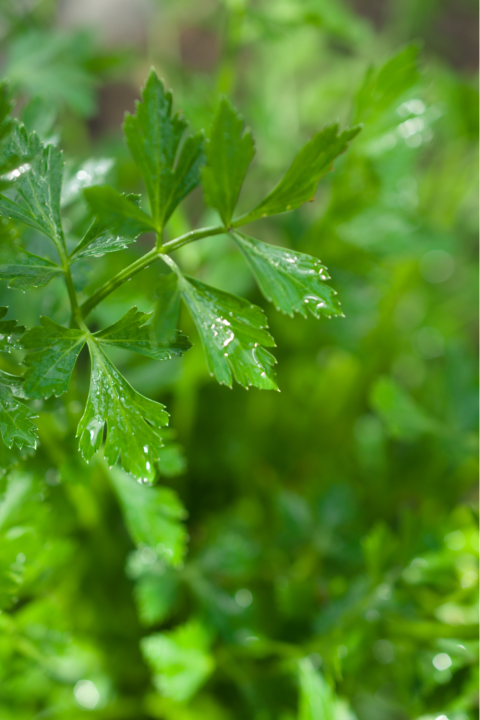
(153, 516)
(180, 659)
(382, 86)
(100, 240)
(10, 332)
(131, 333)
(300, 181)
(16, 424)
(293, 281)
(153, 137)
(229, 152)
(118, 212)
(91, 172)
(232, 332)
(132, 420)
(167, 308)
(38, 187)
(25, 270)
(49, 368)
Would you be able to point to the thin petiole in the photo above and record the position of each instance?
(143, 262)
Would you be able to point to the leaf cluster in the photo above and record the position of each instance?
(233, 332)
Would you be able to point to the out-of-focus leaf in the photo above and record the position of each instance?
(229, 152)
(300, 182)
(180, 660)
(119, 213)
(25, 270)
(317, 701)
(5, 108)
(16, 424)
(153, 137)
(293, 281)
(133, 421)
(52, 65)
(153, 516)
(53, 352)
(92, 172)
(403, 417)
(155, 597)
(131, 333)
(382, 86)
(10, 332)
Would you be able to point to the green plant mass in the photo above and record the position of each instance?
(171, 546)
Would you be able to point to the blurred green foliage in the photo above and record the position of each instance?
(331, 570)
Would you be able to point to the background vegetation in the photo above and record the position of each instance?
(331, 570)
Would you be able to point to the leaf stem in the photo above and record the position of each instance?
(143, 262)
(72, 293)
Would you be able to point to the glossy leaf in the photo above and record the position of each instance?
(229, 152)
(153, 517)
(25, 270)
(293, 281)
(92, 172)
(233, 333)
(16, 424)
(153, 137)
(132, 333)
(53, 352)
(38, 185)
(120, 213)
(10, 332)
(100, 240)
(300, 181)
(167, 308)
(133, 421)
(180, 659)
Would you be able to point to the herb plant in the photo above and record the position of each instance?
(233, 331)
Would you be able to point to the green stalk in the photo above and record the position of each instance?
(143, 262)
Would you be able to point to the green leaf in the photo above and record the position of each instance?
(180, 660)
(52, 65)
(155, 597)
(119, 213)
(16, 424)
(229, 152)
(232, 332)
(317, 701)
(403, 417)
(25, 270)
(131, 333)
(132, 420)
(49, 368)
(300, 182)
(10, 332)
(172, 459)
(38, 187)
(386, 84)
(92, 172)
(99, 240)
(5, 108)
(153, 137)
(153, 516)
(293, 281)
(167, 308)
